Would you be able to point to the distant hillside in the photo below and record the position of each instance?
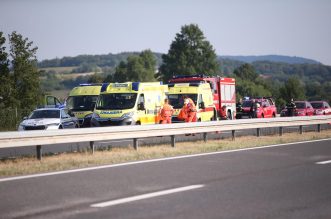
(272, 58)
(112, 60)
(107, 60)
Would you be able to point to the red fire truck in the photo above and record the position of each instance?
(224, 90)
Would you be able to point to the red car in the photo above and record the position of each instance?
(321, 107)
(302, 108)
(266, 108)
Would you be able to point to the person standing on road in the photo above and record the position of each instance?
(252, 109)
(191, 110)
(291, 108)
(166, 112)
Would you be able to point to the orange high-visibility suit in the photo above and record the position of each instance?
(191, 111)
(166, 113)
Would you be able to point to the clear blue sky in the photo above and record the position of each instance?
(234, 27)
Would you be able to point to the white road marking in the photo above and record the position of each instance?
(153, 160)
(145, 196)
(324, 162)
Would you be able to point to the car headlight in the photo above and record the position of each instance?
(128, 115)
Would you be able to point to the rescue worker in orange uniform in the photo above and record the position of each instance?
(190, 109)
(166, 112)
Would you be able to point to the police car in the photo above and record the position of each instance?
(48, 119)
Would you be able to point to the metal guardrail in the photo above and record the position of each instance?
(38, 138)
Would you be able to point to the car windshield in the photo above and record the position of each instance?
(116, 101)
(81, 103)
(177, 100)
(44, 114)
(247, 103)
(317, 105)
(300, 105)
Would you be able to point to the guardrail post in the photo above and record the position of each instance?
(92, 146)
(318, 127)
(173, 141)
(258, 132)
(205, 136)
(135, 143)
(280, 131)
(233, 135)
(301, 129)
(39, 152)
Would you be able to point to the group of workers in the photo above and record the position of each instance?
(188, 113)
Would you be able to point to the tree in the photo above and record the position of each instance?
(26, 81)
(95, 78)
(121, 73)
(138, 68)
(249, 83)
(147, 59)
(190, 53)
(246, 72)
(292, 89)
(6, 85)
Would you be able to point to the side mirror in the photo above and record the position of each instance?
(141, 106)
(202, 105)
(25, 118)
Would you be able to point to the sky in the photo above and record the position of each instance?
(233, 27)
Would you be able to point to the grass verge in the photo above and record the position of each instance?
(66, 161)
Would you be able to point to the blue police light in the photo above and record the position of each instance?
(135, 86)
(104, 87)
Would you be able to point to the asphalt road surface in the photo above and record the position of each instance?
(286, 181)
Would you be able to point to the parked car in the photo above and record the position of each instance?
(321, 107)
(302, 108)
(48, 119)
(266, 108)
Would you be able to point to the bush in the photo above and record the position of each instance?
(10, 118)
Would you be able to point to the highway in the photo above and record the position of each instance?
(280, 181)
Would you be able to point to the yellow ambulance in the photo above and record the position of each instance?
(200, 93)
(130, 103)
(81, 102)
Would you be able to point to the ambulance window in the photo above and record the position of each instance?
(141, 102)
(141, 98)
(200, 100)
